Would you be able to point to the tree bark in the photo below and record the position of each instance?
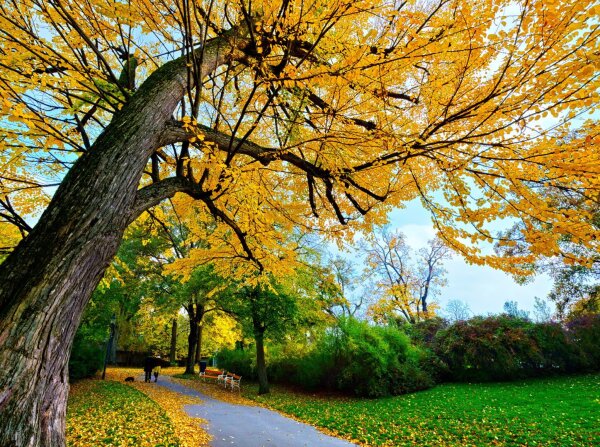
(199, 345)
(261, 365)
(192, 339)
(192, 342)
(173, 356)
(48, 279)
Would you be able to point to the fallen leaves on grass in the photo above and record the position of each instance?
(187, 428)
(106, 413)
(557, 412)
(118, 413)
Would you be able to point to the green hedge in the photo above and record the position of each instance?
(358, 358)
(240, 362)
(505, 348)
(584, 331)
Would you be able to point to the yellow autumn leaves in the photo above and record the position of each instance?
(475, 108)
(138, 414)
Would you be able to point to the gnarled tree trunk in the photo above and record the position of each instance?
(47, 281)
(199, 344)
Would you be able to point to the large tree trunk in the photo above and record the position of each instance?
(172, 357)
(47, 281)
(200, 309)
(261, 365)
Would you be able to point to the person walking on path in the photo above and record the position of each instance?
(156, 369)
(149, 363)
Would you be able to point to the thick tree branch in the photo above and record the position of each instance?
(153, 194)
(175, 132)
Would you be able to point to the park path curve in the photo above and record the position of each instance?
(232, 425)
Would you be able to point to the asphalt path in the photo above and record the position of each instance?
(233, 425)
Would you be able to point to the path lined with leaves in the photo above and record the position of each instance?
(233, 425)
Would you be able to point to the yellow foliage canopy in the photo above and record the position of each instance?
(320, 112)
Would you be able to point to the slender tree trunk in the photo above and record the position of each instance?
(199, 345)
(192, 343)
(172, 357)
(261, 365)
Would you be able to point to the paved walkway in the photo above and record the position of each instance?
(249, 426)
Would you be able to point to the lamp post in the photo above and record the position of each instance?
(109, 344)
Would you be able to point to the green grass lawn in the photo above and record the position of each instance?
(563, 411)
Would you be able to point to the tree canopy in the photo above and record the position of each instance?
(319, 109)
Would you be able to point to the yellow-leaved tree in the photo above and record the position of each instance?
(274, 116)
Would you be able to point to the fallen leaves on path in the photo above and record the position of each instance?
(215, 391)
(210, 388)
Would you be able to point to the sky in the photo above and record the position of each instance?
(485, 290)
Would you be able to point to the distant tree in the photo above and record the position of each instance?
(576, 286)
(337, 282)
(542, 313)
(457, 310)
(264, 311)
(405, 285)
(576, 289)
(200, 295)
(511, 308)
(131, 289)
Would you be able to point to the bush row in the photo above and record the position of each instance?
(87, 357)
(372, 361)
(506, 348)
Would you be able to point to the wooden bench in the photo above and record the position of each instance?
(211, 374)
(225, 378)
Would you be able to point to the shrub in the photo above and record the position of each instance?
(241, 362)
(504, 348)
(423, 332)
(584, 331)
(87, 357)
(558, 352)
(355, 357)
